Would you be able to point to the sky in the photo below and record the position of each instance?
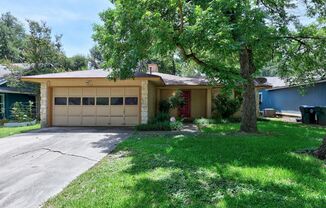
(74, 19)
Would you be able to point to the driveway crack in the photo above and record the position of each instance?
(68, 154)
(56, 151)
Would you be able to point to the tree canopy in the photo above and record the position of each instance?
(230, 40)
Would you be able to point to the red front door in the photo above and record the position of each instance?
(186, 109)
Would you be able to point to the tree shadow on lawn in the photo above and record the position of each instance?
(251, 171)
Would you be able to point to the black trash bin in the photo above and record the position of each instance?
(308, 114)
(321, 115)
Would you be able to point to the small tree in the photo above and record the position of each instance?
(21, 112)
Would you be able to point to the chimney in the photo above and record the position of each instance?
(152, 68)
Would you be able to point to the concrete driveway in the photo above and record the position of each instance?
(37, 165)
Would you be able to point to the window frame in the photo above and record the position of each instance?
(88, 103)
(108, 99)
(60, 105)
(131, 98)
(80, 101)
(112, 103)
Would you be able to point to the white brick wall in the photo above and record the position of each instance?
(144, 101)
(44, 105)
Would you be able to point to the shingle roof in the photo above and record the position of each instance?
(276, 82)
(168, 79)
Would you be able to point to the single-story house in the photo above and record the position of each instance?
(286, 99)
(88, 98)
(10, 95)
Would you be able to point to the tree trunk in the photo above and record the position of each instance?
(321, 151)
(249, 117)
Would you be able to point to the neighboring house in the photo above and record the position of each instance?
(287, 99)
(88, 98)
(9, 95)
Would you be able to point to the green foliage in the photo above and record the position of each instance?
(78, 62)
(9, 131)
(96, 57)
(225, 106)
(21, 112)
(173, 102)
(231, 41)
(41, 52)
(177, 100)
(161, 117)
(160, 126)
(164, 106)
(204, 121)
(12, 38)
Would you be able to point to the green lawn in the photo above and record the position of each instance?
(220, 169)
(8, 131)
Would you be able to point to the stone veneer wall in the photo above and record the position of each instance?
(44, 105)
(144, 101)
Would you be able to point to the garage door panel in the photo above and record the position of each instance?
(74, 110)
(74, 121)
(103, 121)
(60, 110)
(75, 92)
(89, 110)
(117, 111)
(131, 121)
(89, 121)
(131, 92)
(117, 121)
(117, 92)
(103, 111)
(89, 92)
(60, 120)
(131, 110)
(60, 92)
(103, 92)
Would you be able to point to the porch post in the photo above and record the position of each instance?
(209, 103)
(144, 101)
(44, 105)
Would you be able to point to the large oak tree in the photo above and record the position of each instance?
(231, 40)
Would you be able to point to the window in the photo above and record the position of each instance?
(2, 105)
(60, 101)
(88, 101)
(260, 97)
(74, 100)
(102, 101)
(131, 100)
(116, 100)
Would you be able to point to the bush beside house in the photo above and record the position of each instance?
(163, 121)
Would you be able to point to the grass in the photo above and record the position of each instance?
(8, 131)
(219, 169)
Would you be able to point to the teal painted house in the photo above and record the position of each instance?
(9, 95)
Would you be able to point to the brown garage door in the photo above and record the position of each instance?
(91, 106)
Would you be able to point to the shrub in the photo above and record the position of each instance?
(161, 117)
(21, 112)
(175, 101)
(164, 106)
(160, 126)
(225, 107)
